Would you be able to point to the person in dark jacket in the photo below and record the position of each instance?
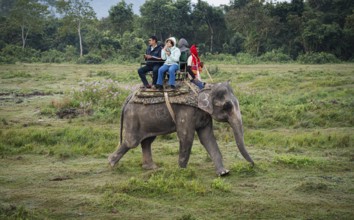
(153, 60)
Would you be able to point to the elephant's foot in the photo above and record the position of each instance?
(223, 172)
(112, 160)
(150, 166)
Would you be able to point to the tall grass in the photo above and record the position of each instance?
(60, 141)
(298, 126)
(297, 99)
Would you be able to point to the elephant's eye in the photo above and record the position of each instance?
(227, 106)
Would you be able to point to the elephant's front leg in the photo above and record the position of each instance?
(208, 140)
(148, 163)
(186, 137)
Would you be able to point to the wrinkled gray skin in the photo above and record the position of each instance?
(142, 123)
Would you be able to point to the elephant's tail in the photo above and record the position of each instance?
(121, 126)
(122, 115)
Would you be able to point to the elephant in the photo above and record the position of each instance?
(142, 123)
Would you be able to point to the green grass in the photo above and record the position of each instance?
(298, 122)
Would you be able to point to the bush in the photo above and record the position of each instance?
(100, 94)
(218, 57)
(70, 53)
(317, 58)
(275, 56)
(90, 59)
(13, 53)
(240, 58)
(246, 58)
(52, 56)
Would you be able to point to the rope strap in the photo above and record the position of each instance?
(169, 107)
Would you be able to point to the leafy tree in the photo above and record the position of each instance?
(28, 15)
(5, 7)
(348, 36)
(159, 18)
(253, 22)
(77, 13)
(132, 46)
(289, 26)
(121, 17)
(209, 18)
(183, 19)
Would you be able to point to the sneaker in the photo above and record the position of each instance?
(145, 86)
(159, 87)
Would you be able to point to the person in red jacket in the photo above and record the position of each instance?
(194, 67)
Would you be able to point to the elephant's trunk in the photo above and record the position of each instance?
(236, 124)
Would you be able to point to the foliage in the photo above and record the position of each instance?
(288, 29)
(45, 140)
(275, 56)
(317, 58)
(169, 181)
(52, 56)
(210, 23)
(155, 12)
(256, 32)
(132, 46)
(77, 14)
(90, 59)
(13, 53)
(121, 17)
(240, 58)
(220, 184)
(27, 15)
(100, 94)
(294, 161)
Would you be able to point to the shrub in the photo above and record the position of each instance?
(105, 93)
(70, 53)
(317, 58)
(17, 74)
(246, 58)
(13, 53)
(52, 56)
(90, 59)
(103, 98)
(218, 57)
(275, 56)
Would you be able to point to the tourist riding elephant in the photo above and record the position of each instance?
(143, 122)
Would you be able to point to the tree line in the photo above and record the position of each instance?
(69, 31)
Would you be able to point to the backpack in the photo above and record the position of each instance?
(183, 60)
(184, 56)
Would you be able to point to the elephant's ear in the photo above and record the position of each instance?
(205, 101)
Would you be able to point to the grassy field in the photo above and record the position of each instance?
(59, 122)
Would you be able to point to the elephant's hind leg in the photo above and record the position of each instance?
(118, 154)
(148, 163)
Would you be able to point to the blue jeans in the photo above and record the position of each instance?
(171, 71)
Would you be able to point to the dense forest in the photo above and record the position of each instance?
(68, 30)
